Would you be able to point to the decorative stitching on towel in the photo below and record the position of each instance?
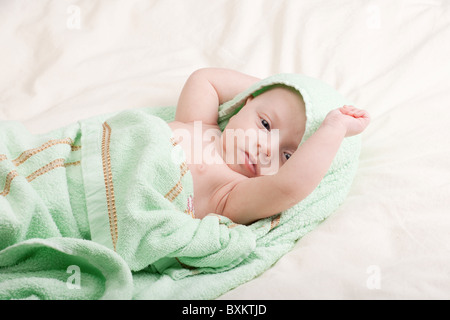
(58, 163)
(110, 199)
(189, 213)
(228, 225)
(176, 189)
(275, 221)
(172, 140)
(24, 156)
(9, 179)
(76, 163)
(184, 169)
(174, 192)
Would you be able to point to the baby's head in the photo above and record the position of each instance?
(267, 130)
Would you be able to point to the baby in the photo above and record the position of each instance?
(250, 176)
(109, 179)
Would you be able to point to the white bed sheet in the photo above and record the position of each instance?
(61, 61)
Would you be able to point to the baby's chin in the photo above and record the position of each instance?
(238, 169)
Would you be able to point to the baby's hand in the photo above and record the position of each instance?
(352, 120)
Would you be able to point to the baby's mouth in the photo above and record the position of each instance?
(251, 164)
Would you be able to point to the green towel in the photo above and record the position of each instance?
(275, 236)
(121, 182)
(102, 209)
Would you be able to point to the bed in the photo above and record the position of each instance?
(63, 61)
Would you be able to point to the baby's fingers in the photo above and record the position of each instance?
(347, 110)
(354, 112)
(359, 113)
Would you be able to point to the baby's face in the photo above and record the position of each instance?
(262, 136)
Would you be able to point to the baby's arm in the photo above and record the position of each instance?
(206, 89)
(257, 198)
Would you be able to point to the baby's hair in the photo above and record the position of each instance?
(265, 89)
(280, 85)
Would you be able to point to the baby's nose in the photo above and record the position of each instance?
(268, 153)
(263, 145)
(267, 143)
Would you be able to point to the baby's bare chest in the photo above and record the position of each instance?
(212, 178)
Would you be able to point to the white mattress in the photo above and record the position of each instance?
(61, 61)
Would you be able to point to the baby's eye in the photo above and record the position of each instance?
(287, 155)
(265, 124)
